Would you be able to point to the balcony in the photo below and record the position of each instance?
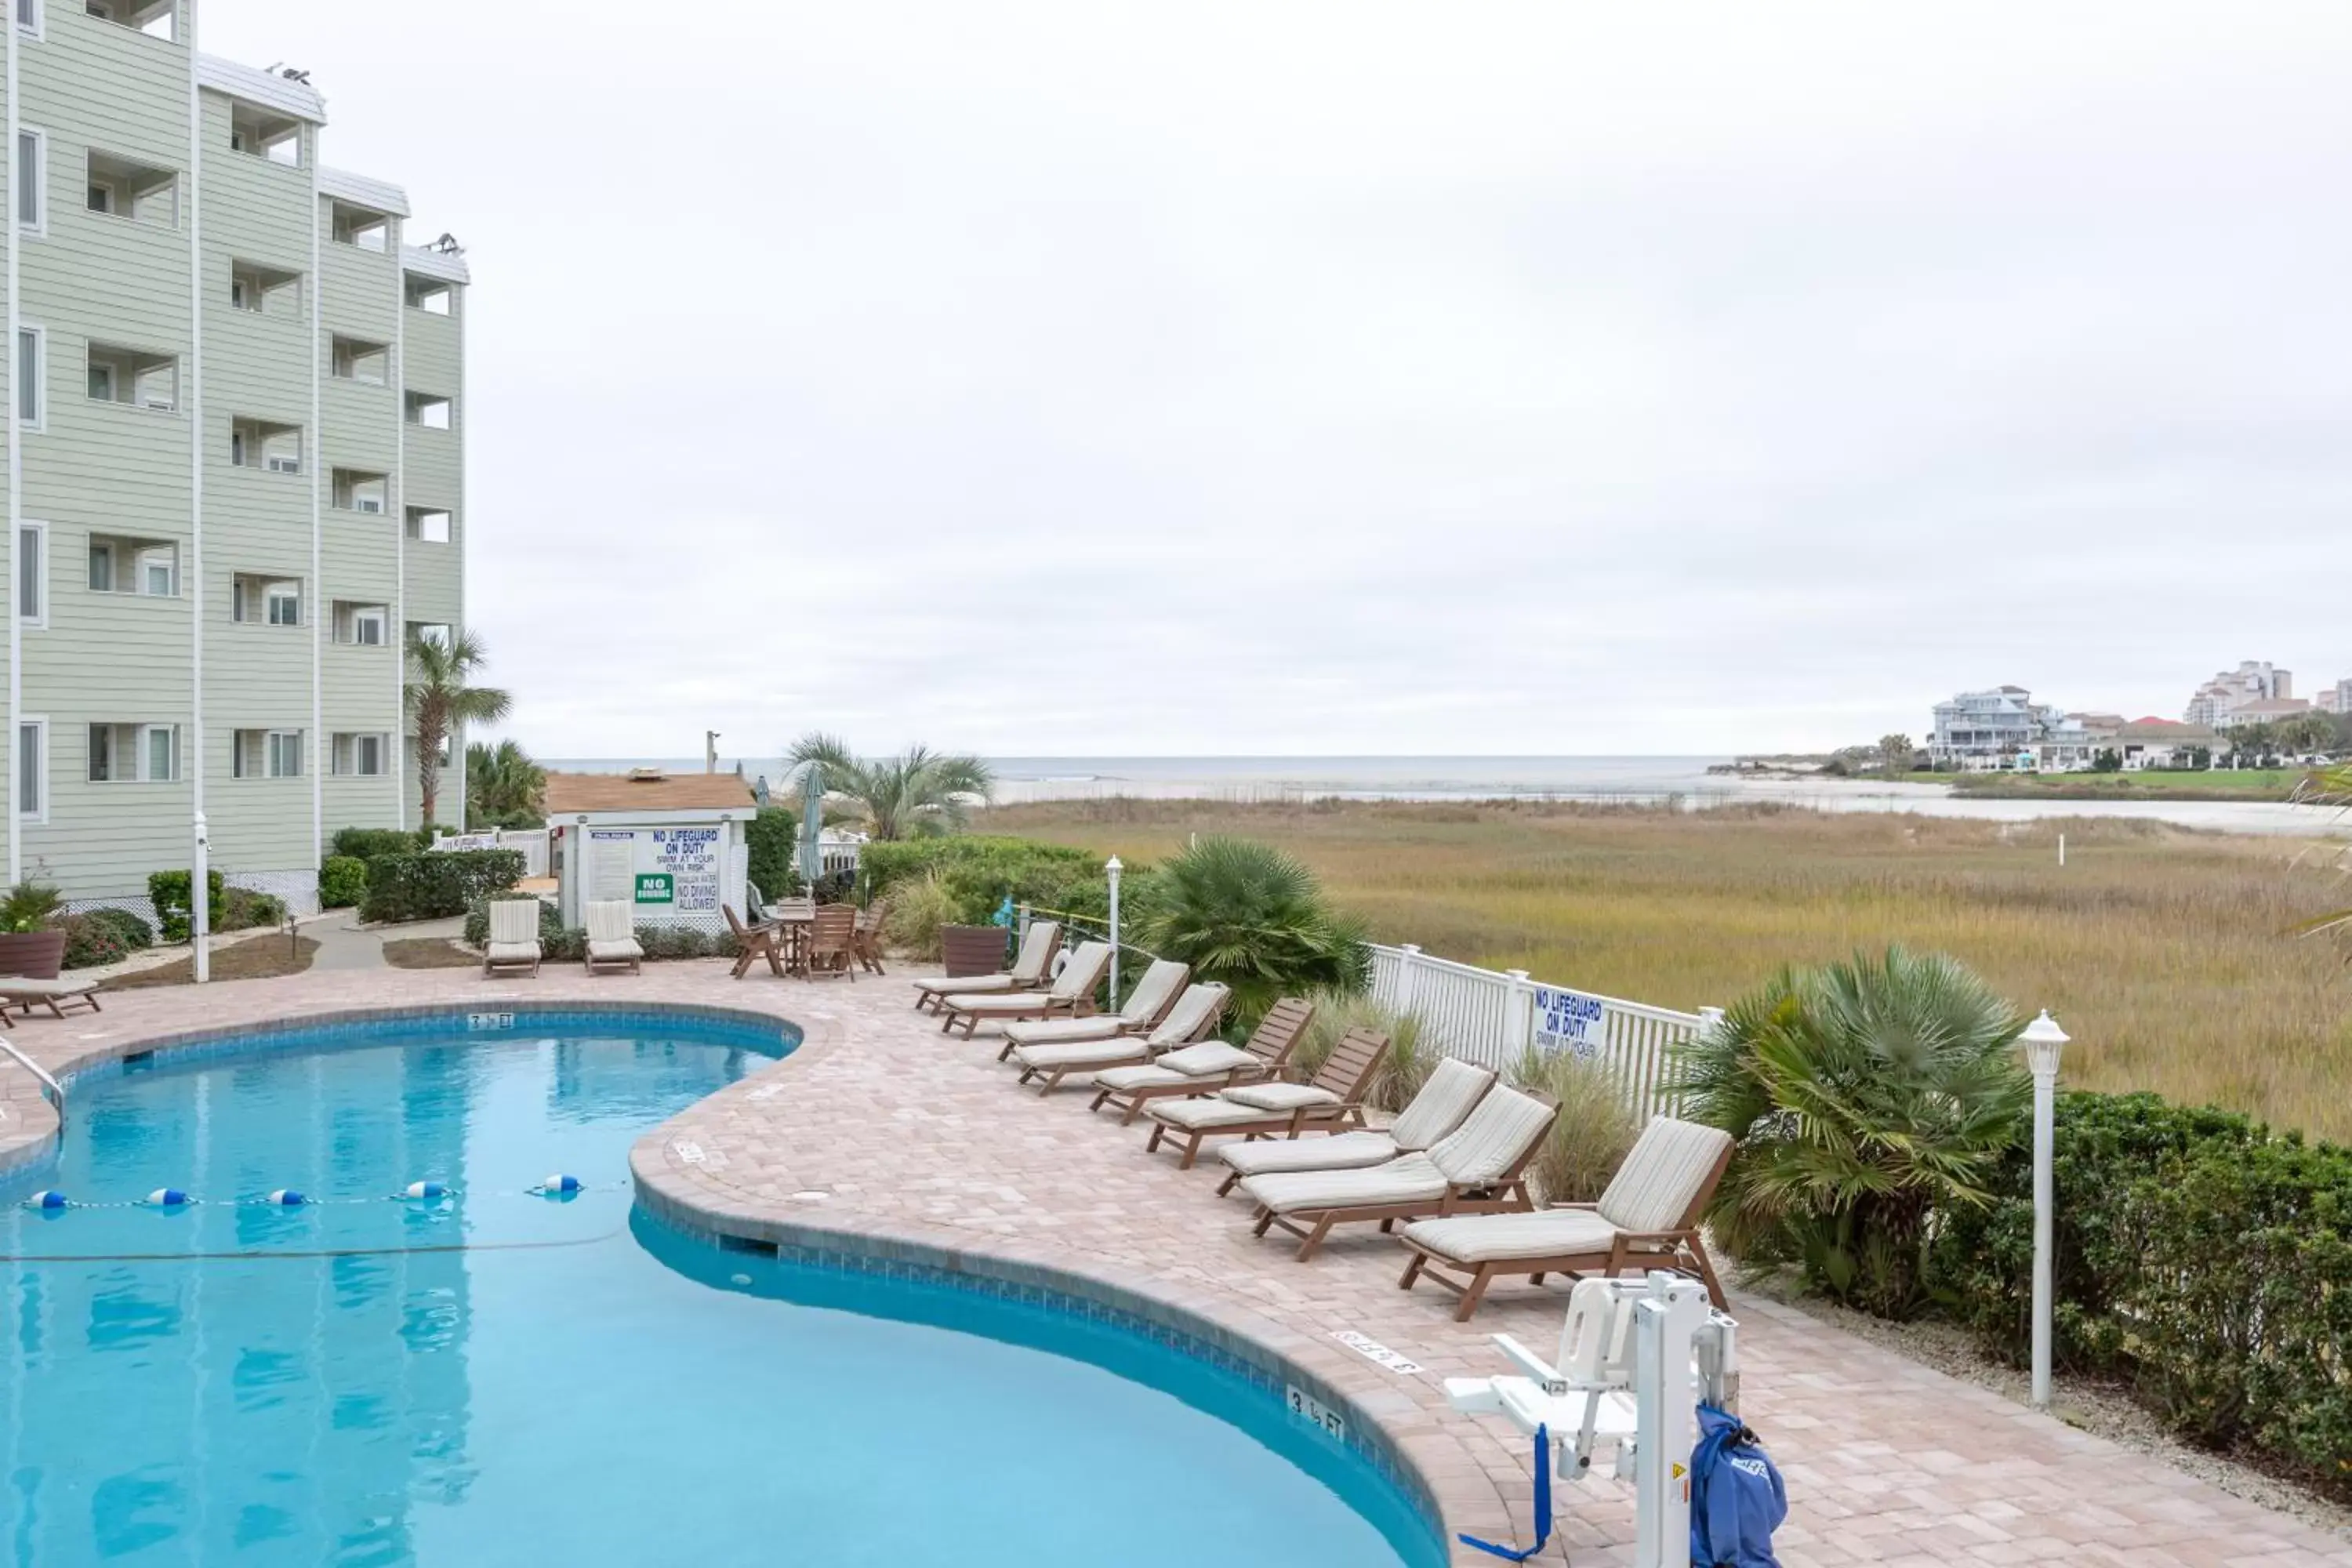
(259, 290)
(359, 490)
(137, 193)
(134, 377)
(156, 18)
(356, 359)
(428, 525)
(431, 411)
(260, 444)
(264, 601)
(363, 626)
(363, 228)
(258, 133)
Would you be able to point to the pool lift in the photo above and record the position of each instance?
(1636, 1359)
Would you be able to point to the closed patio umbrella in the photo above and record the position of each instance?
(812, 823)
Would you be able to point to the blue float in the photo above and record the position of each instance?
(48, 1200)
(286, 1198)
(426, 1190)
(167, 1197)
(560, 1185)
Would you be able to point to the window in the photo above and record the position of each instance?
(361, 625)
(32, 368)
(359, 226)
(259, 444)
(432, 296)
(134, 754)
(119, 187)
(261, 134)
(358, 491)
(428, 525)
(33, 574)
(261, 291)
(264, 601)
(134, 376)
(265, 755)
(33, 769)
(432, 413)
(360, 756)
(367, 364)
(28, 14)
(32, 180)
(150, 568)
(428, 631)
(156, 18)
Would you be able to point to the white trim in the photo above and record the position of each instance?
(39, 26)
(39, 423)
(38, 228)
(13, 237)
(395, 497)
(42, 575)
(32, 721)
(314, 462)
(262, 88)
(445, 266)
(359, 191)
(192, 395)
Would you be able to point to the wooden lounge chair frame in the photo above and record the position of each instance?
(1346, 1072)
(933, 998)
(1040, 1005)
(1505, 1193)
(752, 944)
(1681, 1248)
(1276, 1036)
(22, 1003)
(1207, 1027)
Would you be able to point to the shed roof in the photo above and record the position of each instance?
(571, 794)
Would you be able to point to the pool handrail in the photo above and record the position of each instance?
(56, 1091)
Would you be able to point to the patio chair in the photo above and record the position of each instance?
(869, 935)
(1331, 1102)
(1208, 1066)
(1452, 1090)
(19, 996)
(1032, 970)
(611, 938)
(514, 936)
(1648, 1217)
(1478, 1168)
(752, 944)
(1196, 1015)
(1140, 1013)
(833, 943)
(1072, 996)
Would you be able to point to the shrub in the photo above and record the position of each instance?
(2200, 1256)
(91, 942)
(30, 907)
(1248, 915)
(768, 847)
(367, 843)
(168, 891)
(1595, 1129)
(242, 909)
(342, 882)
(918, 909)
(1411, 1057)
(129, 926)
(437, 885)
(1869, 1099)
(980, 873)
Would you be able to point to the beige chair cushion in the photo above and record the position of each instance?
(1495, 1137)
(1347, 1151)
(615, 951)
(1153, 992)
(1190, 1018)
(1280, 1096)
(1038, 951)
(1210, 1058)
(608, 920)
(1453, 1088)
(972, 985)
(17, 985)
(514, 921)
(1064, 1031)
(1211, 1112)
(1499, 1237)
(1072, 1057)
(1662, 1174)
(514, 952)
(1119, 1080)
(1407, 1179)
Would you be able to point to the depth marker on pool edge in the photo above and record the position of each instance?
(1377, 1352)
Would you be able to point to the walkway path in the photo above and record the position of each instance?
(881, 1127)
(345, 946)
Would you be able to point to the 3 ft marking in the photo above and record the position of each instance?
(489, 1020)
(1307, 1407)
(1377, 1352)
(689, 1151)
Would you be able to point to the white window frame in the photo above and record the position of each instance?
(36, 619)
(419, 403)
(37, 26)
(142, 562)
(383, 744)
(147, 733)
(377, 616)
(281, 592)
(38, 183)
(273, 747)
(39, 381)
(39, 772)
(416, 529)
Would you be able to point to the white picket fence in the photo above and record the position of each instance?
(1491, 1018)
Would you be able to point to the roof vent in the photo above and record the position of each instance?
(646, 775)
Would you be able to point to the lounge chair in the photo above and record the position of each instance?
(833, 941)
(1032, 971)
(1196, 1015)
(1072, 996)
(1647, 1218)
(1142, 1012)
(752, 944)
(20, 996)
(612, 941)
(1209, 1067)
(1478, 1168)
(1452, 1089)
(514, 936)
(1332, 1101)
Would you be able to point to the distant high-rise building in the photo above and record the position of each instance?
(2336, 698)
(2254, 680)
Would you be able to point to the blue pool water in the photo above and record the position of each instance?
(509, 1379)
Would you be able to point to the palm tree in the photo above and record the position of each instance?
(1868, 1098)
(507, 789)
(1249, 916)
(441, 700)
(2330, 788)
(1898, 751)
(917, 792)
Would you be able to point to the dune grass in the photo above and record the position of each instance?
(2164, 952)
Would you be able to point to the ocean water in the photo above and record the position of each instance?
(505, 1378)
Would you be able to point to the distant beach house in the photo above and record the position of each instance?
(2003, 730)
(2160, 743)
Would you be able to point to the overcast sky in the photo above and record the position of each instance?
(1197, 378)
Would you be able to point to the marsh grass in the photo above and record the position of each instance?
(1409, 1057)
(1592, 1135)
(2167, 954)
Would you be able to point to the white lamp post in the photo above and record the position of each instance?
(1113, 869)
(2044, 1041)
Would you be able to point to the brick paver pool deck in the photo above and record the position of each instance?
(881, 1129)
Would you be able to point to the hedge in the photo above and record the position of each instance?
(437, 885)
(980, 872)
(342, 881)
(174, 915)
(768, 840)
(367, 843)
(2201, 1258)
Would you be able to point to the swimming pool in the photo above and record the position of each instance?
(504, 1377)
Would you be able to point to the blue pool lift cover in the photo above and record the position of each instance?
(1737, 1498)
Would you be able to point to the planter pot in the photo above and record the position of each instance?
(33, 954)
(971, 949)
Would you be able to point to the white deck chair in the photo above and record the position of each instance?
(514, 936)
(1453, 1087)
(612, 937)
(1071, 996)
(1141, 1013)
(1030, 970)
(1195, 1015)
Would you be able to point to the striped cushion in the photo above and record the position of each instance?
(1063, 1031)
(514, 920)
(1210, 1058)
(1193, 1012)
(1072, 1058)
(1154, 992)
(1347, 1151)
(1229, 1110)
(1281, 1096)
(1661, 1178)
(1497, 1237)
(971, 985)
(1444, 1099)
(1119, 1080)
(1497, 1137)
(1407, 1179)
